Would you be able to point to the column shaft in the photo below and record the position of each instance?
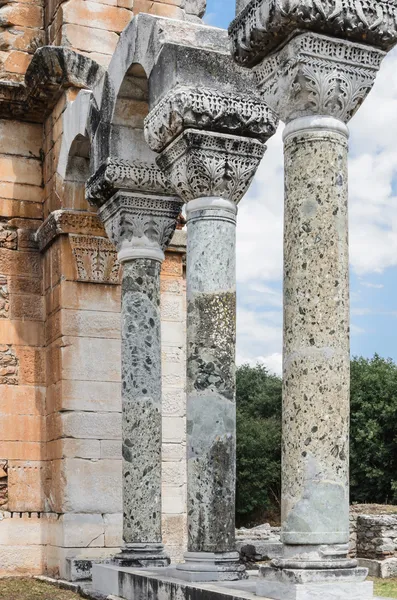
(141, 401)
(211, 408)
(315, 473)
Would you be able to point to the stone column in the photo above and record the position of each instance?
(141, 226)
(315, 83)
(210, 171)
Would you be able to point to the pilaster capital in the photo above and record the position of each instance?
(265, 25)
(206, 164)
(315, 74)
(116, 174)
(140, 225)
(207, 109)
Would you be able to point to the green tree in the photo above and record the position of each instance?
(373, 446)
(258, 441)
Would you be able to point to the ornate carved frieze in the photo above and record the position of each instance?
(96, 259)
(139, 225)
(201, 164)
(318, 75)
(203, 108)
(68, 221)
(265, 25)
(121, 174)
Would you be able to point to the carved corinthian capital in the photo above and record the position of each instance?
(201, 164)
(117, 174)
(318, 75)
(140, 225)
(265, 25)
(210, 110)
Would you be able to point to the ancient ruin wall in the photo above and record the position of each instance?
(60, 456)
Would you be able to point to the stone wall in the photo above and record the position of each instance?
(60, 424)
(377, 536)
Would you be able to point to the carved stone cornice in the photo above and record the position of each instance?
(201, 164)
(96, 259)
(68, 221)
(121, 174)
(265, 25)
(318, 75)
(140, 225)
(203, 108)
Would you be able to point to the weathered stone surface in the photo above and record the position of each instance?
(377, 536)
(8, 366)
(263, 26)
(316, 341)
(211, 377)
(200, 164)
(141, 400)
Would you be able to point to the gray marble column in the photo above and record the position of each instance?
(211, 172)
(141, 227)
(211, 408)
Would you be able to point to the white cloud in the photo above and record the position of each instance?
(373, 219)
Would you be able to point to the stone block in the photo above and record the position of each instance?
(17, 191)
(20, 263)
(77, 531)
(85, 396)
(72, 448)
(91, 359)
(32, 368)
(22, 560)
(90, 425)
(174, 430)
(174, 402)
(111, 449)
(25, 428)
(17, 208)
(316, 591)
(31, 398)
(27, 307)
(21, 139)
(172, 307)
(172, 334)
(86, 323)
(173, 452)
(92, 486)
(85, 296)
(57, 558)
(174, 499)
(25, 486)
(18, 333)
(95, 15)
(20, 170)
(23, 451)
(174, 529)
(174, 473)
(113, 530)
(22, 531)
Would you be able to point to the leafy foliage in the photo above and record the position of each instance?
(258, 440)
(373, 453)
(373, 446)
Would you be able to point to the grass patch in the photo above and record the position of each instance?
(385, 587)
(31, 589)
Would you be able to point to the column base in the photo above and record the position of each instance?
(142, 555)
(311, 584)
(210, 566)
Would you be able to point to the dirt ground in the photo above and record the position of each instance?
(31, 589)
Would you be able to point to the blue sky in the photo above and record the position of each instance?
(373, 230)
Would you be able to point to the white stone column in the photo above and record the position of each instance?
(315, 83)
(141, 227)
